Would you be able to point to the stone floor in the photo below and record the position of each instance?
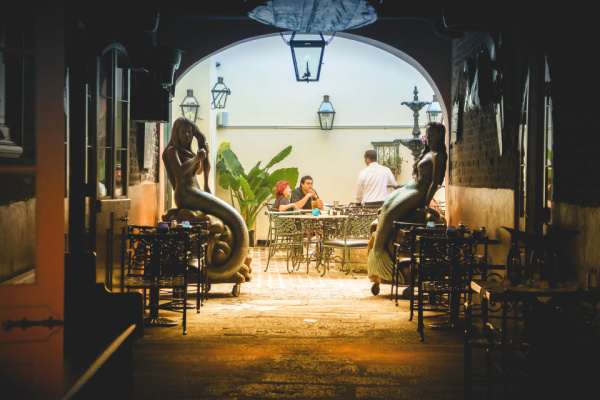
(298, 336)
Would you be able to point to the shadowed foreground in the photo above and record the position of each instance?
(298, 336)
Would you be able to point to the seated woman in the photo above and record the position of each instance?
(428, 174)
(228, 242)
(282, 194)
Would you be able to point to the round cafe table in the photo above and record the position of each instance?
(324, 225)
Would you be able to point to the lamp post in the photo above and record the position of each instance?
(326, 114)
(434, 113)
(415, 144)
(190, 106)
(219, 94)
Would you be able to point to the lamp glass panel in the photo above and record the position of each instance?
(307, 53)
(190, 106)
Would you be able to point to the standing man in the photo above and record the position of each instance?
(305, 188)
(373, 181)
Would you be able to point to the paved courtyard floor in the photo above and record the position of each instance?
(298, 336)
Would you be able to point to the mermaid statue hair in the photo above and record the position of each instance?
(441, 129)
(175, 141)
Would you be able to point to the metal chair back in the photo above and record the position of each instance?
(284, 233)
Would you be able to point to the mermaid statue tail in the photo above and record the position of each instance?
(397, 205)
(228, 241)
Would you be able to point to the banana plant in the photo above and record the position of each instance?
(254, 189)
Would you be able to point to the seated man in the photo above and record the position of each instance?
(305, 188)
(373, 181)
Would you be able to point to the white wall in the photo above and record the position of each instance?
(269, 110)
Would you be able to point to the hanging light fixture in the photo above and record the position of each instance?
(434, 113)
(307, 55)
(219, 94)
(190, 106)
(326, 114)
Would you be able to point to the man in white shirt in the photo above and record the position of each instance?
(373, 181)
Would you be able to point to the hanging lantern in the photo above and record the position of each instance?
(307, 54)
(326, 114)
(190, 106)
(219, 94)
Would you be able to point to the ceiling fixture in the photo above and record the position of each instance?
(326, 114)
(309, 18)
(190, 106)
(219, 94)
(307, 55)
(315, 16)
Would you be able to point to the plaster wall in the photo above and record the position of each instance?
(144, 200)
(492, 208)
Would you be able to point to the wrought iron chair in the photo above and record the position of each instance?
(444, 267)
(288, 234)
(356, 235)
(197, 271)
(403, 233)
(158, 260)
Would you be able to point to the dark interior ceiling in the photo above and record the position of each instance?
(449, 18)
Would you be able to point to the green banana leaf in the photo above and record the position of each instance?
(254, 190)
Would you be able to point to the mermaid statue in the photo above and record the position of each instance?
(409, 203)
(227, 258)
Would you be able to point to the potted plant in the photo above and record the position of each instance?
(394, 163)
(254, 189)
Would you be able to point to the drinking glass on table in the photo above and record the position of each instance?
(313, 204)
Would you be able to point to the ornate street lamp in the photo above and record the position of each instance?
(326, 114)
(434, 113)
(190, 106)
(307, 54)
(415, 143)
(219, 94)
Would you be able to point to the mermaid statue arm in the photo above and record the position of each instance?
(205, 166)
(179, 168)
(437, 159)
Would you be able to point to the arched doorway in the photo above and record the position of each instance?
(268, 110)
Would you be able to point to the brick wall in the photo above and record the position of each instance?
(475, 159)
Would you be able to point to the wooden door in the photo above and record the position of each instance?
(110, 164)
(31, 313)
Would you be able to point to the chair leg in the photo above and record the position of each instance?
(343, 260)
(394, 281)
(350, 270)
(289, 250)
(412, 294)
(198, 288)
(269, 254)
(326, 258)
(185, 309)
(420, 324)
(468, 367)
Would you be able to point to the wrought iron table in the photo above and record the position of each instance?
(322, 226)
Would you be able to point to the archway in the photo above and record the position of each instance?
(366, 80)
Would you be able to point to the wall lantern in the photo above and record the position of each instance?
(307, 54)
(190, 106)
(326, 114)
(434, 113)
(219, 94)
